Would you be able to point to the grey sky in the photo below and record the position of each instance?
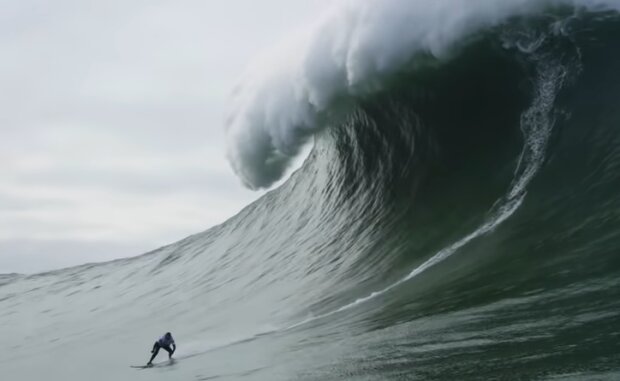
(111, 124)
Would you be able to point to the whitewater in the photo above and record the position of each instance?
(456, 218)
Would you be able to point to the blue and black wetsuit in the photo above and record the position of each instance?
(165, 342)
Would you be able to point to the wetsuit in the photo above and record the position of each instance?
(163, 343)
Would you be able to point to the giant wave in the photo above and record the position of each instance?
(456, 218)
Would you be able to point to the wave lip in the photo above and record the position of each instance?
(286, 98)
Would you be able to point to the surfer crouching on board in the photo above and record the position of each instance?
(164, 342)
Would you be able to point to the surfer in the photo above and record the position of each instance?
(164, 342)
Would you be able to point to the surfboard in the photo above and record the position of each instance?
(164, 363)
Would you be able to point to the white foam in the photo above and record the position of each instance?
(277, 105)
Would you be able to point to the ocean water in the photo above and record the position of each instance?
(458, 218)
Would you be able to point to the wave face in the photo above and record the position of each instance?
(459, 221)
